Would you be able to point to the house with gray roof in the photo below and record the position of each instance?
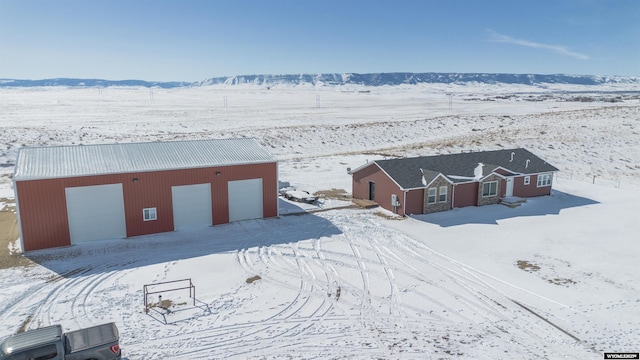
(427, 184)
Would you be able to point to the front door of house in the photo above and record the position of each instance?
(509, 190)
(372, 191)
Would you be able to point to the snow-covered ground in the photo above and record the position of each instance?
(554, 278)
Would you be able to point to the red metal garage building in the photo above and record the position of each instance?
(70, 194)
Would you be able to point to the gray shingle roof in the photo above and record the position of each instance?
(460, 167)
(84, 160)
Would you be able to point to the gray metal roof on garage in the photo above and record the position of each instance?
(85, 160)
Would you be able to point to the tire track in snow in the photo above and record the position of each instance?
(46, 303)
(466, 291)
(305, 273)
(28, 302)
(395, 302)
(85, 295)
(76, 292)
(63, 296)
(478, 300)
(364, 266)
(290, 321)
(300, 299)
(303, 261)
(41, 314)
(471, 279)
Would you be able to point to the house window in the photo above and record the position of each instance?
(432, 196)
(544, 180)
(527, 180)
(149, 214)
(490, 189)
(443, 194)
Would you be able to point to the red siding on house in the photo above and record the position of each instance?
(360, 186)
(502, 172)
(522, 190)
(465, 194)
(415, 202)
(384, 187)
(502, 188)
(42, 203)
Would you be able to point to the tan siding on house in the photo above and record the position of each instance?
(438, 206)
(491, 199)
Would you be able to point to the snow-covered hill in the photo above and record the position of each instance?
(372, 79)
(404, 78)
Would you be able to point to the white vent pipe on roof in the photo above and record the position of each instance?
(512, 155)
(526, 164)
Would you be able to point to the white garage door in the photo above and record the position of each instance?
(191, 205)
(245, 199)
(96, 212)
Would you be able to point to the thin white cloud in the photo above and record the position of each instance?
(558, 49)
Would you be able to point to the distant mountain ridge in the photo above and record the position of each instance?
(372, 79)
(90, 83)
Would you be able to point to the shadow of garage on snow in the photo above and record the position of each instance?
(119, 254)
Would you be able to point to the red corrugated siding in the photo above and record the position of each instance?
(43, 214)
(465, 195)
(42, 203)
(415, 202)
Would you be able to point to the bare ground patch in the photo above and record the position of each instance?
(535, 268)
(561, 281)
(528, 266)
(8, 234)
(25, 323)
(164, 304)
(334, 193)
(388, 216)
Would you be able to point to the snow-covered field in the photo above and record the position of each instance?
(554, 278)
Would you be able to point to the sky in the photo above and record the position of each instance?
(193, 40)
